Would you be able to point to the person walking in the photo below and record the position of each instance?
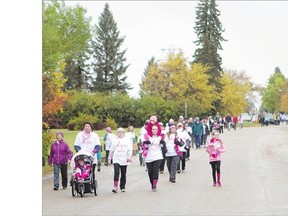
(108, 137)
(197, 129)
(172, 156)
(120, 153)
(214, 149)
(88, 140)
(162, 165)
(60, 155)
(153, 145)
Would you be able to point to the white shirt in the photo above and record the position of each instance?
(89, 143)
(108, 141)
(121, 150)
(154, 150)
(170, 145)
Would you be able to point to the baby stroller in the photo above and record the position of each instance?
(89, 183)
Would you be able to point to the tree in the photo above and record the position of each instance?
(66, 33)
(150, 63)
(236, 92)
(209, 29)
(271, 95)
(108, 65)
(283, 107)
(78, 73)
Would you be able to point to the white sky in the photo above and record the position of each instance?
(256, 31)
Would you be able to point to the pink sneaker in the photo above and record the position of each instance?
(219, 184)
(214, 184)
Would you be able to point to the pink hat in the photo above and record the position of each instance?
(108, 129)
(153, 118)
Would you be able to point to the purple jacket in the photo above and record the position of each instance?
(59, 153)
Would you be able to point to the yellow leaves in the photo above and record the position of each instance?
(53, 96)
(233, 96)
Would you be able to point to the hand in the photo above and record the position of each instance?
(147, 142)
(177, 142)
(129, 160)
(95, 151)
(162, 142)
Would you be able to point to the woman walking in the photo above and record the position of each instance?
(154, 156)
(60, 155)
(120, 153)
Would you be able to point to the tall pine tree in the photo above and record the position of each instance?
(109, 60)
(208, 29)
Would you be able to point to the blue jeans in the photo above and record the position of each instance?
(57, 169)
(197, 140)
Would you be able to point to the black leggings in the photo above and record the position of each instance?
(153, 170)
(117, 169)
(215, 168)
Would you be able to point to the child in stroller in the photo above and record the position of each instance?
(82, 179)
(82, 170)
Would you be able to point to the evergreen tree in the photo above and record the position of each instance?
(77, 73)
(150, 62)
(208, 29)
(108, 66)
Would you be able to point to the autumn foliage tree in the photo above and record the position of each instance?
(236, 87)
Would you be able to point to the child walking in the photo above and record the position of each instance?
(214, 149)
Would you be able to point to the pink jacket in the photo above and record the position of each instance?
(214, 149)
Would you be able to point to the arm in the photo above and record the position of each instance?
(77, 143)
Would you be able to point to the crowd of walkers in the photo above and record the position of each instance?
(159, 146)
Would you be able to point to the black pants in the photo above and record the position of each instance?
(106, 156)
(162, 164)
(182, 161)
(215, 168)
(153, 170)
(117, 169)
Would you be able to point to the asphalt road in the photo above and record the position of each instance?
(254, 182)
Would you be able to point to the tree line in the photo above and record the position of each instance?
(85, 65)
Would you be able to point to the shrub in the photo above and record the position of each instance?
(80, 120)
(111, 123)
(47, 139)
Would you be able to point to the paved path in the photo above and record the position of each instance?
(254, 177)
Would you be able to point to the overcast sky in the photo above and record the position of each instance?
(256, 31)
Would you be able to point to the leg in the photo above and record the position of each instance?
(64, 175)
(184, 161)
(218, 164)
(213, 166)
(116, 176)
(174, 162)
(150, 171)
(123, 170)
(169, 160)
(156, 165)
(56, 168)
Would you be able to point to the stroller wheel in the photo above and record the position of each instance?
(73, 188)
(81, 190)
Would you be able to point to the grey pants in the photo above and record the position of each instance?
(172, 162)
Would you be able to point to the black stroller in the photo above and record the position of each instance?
(87, 185)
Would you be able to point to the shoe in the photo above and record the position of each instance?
(173, 181)
(55, 188)
(183, 171)
(179, 171)
(123, 190)
(161, 172)
(154, 189)
(214, 184)
(106, 164)
(114, 190)
(219, 184)
(64, 188)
